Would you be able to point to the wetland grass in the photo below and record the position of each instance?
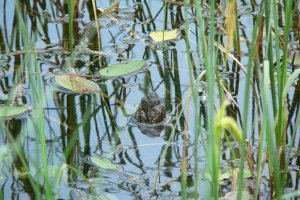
(30, 64)
(273, 124)
(268, 92)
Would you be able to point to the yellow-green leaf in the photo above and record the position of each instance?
(103, 163)
(160, 36)
(122, 69)
(76, 83)
(228, 174)
(13, 111)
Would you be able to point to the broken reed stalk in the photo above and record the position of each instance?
(230, 23)
(98, 29)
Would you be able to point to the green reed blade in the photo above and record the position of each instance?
(246, 102)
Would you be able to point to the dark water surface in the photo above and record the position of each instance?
(78, 126)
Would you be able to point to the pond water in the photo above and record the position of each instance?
(80, 126)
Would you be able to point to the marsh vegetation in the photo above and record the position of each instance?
(224, 123)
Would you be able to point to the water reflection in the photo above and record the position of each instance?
(83, 125)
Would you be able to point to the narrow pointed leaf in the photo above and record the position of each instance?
(290, 81)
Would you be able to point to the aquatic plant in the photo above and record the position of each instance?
(73, 72)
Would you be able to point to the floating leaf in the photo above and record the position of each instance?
(160, 36)
(122, 69)
(103, 163)
(225, 175)
(76, 83)
(13, 111)
(228, 174)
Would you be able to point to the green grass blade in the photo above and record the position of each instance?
(246, 103)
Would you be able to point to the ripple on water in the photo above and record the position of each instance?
(2, 72)
(151, 130)
(4, 59)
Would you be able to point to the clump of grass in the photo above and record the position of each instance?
(38, 97)
(273, 137)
